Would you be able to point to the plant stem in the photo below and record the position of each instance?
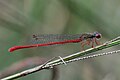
(50, 63)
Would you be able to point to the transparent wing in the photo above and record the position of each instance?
(46, 38)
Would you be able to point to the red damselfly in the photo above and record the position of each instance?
(52, 39)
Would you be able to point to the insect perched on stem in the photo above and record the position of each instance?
(52, 39)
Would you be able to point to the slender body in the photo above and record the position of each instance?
(52, 39)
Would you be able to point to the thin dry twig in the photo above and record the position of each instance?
(71, 58)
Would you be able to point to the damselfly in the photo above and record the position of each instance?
(53, 39)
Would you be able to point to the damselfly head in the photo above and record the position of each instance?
(97, 35)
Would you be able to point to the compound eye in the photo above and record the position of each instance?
(98, 36)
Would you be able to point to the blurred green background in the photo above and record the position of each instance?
(20, 19)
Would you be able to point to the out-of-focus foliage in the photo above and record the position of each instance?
(20, 19)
